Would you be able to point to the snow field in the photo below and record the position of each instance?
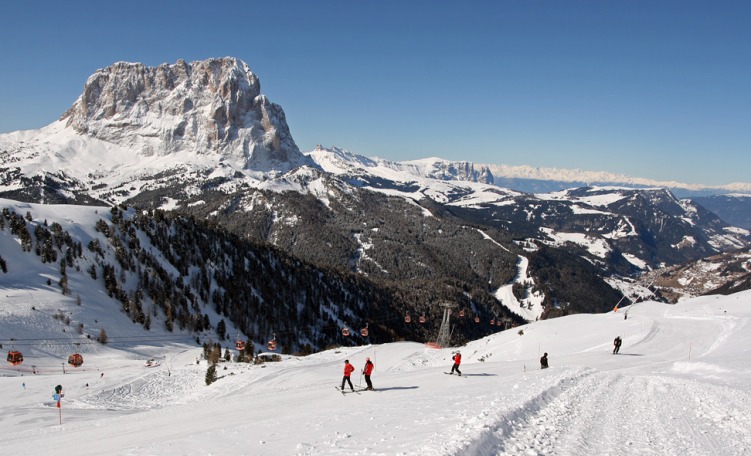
(679, 387)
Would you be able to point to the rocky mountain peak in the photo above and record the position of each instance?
(211, 106)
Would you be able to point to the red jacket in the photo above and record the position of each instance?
(368, 368)
(457, 358)
(348, 369)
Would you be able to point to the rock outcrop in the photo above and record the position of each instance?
(212, 106)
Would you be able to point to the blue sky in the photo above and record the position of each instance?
(659, 90)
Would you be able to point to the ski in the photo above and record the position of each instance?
(449, 373)
(345, 391)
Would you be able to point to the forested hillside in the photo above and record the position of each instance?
(170, 269)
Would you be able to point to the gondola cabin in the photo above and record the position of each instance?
(15, 357)
(240, 345)
(407, 319)
(461, 313)
(364, 331)
(422, 319)
(271, 345)
(75, 359)
(477, 319)
(492, 322)
(345, 332)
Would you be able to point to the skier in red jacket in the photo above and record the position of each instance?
(348, 369)
(457, 360)
(367, 370)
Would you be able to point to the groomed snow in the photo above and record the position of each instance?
(679, 387)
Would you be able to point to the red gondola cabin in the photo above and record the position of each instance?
(15, 358)
(75, 359)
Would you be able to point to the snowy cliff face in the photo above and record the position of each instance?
(206, 107)
(435, 168)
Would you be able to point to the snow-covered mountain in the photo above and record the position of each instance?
(535, 179)
(734, 208)
(602, 220)
(165, 272)
(137, 128)
(212, 107)
(200, 137)
(527, 179)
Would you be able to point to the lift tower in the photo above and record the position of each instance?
(444, 334)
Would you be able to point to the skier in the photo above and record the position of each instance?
(367, 370)
(544, 361)
(348, 369)
(617, 344)
(457, 360)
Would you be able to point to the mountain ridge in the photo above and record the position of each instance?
(426, 222)
(557, 178)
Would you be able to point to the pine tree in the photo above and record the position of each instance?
(221, 329)
(215, 354)
(64, 284)
(102, 339)
(211, 374)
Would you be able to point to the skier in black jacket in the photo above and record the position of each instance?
(617, 344)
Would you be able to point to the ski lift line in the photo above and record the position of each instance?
(340, 326)
(110, 341)
(114, 340)
(619, 301)
(632, 302)
(11, 340)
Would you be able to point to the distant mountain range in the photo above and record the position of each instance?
(199, 138)
(735, 209)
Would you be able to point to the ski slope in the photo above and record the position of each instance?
(680, 386)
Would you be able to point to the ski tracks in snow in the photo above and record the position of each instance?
(584, 411)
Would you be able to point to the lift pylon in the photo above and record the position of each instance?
(444, 334)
